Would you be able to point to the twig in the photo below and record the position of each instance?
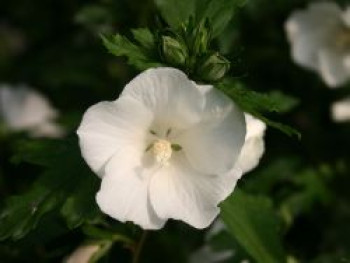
(139, 247)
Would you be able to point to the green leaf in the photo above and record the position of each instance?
(66, 183)
(219, 12)
(277, 125)
(80, 206)
(283, 102)
(256, 103)
(137, 56)
(312, 189)
(144, 37)
(253, 223)
(176, 12)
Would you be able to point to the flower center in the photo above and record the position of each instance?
(343, 38)
(162, 151)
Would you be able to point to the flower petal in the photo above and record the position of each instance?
(180, 192)
(346, 16)
(83, 254)
(169, 94)
(332, 67)
(124, 190)
(109, 127)
(23, 108)
(48, 129)
(214, 143)
(254, 145)
(341, 110)
(311, 29)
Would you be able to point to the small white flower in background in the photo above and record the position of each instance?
(83, 254)
(24, 109)
(166, 148)
(341, 110)
(320, 40)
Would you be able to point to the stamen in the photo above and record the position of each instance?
(162, 151)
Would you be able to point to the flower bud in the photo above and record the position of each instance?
(201, 38)
(213, 67)
(174, 52)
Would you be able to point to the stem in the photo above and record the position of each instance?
(139, 247)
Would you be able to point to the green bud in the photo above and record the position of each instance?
(213, 68)
(201, 36)
(174, 52)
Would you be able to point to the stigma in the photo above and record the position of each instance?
(162, 151)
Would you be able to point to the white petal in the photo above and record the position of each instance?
(346, 16)
(169, 94)
(48, 129)
(341, 110)
(23, 108)
(347, 62)
(109, 127)
(83, 254)
(124, 190)
(180, 192)
(311, 29)
(207, 255)
(254, 145)
(332, 67)
(214, 143)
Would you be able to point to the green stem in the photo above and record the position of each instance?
(139, 247)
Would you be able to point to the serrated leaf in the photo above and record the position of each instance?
(144, 37)
(277, 125)
(253, 223)
(256, 103)
(137, 56)
(65, 175)
(176, 12)
(219, 12)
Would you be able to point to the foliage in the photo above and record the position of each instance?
(256, 103)
(66, 184)
(252, 222)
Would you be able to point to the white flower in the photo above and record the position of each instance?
(320, 40)
(166, 148)
(254, 145)
(341, 110)
(83, 254)
(249, 157)
(23, 109)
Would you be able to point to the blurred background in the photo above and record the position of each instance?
(54, 48)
